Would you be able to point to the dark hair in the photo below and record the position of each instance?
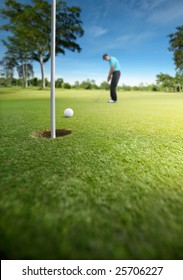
(104, 56)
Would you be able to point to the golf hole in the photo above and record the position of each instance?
(47, 133)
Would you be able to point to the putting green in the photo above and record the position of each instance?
(111, 189)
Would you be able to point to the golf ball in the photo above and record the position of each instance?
(68, 113)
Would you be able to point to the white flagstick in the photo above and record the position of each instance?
(52, 103)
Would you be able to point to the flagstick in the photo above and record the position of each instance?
(52, 103)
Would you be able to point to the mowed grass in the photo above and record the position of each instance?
(112, 189)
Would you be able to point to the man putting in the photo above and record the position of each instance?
(114, 75)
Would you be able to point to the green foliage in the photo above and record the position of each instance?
(141, 87)
(170, 83)
(165, 80)
(17, 55)
(3, 82)
(59, 82)
(66, 85)
(179, 81)
(76, 84)
(31, 28)
(112, 189)
(176, 45)
(8, 63)
(25, 70)
(38, 82)
(126, 87)
(32, 24)
(105, 85)
(86, 84)
(34, 82)
(153, 87)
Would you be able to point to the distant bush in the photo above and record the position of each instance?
(59, 82)
(104, 85)
(66, 86)
(153, 88)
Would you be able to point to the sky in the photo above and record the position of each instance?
(134, 31)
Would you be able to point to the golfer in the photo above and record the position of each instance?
(113, 76)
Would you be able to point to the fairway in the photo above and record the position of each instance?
(112, 189)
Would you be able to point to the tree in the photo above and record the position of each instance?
(179, 81)
(171, 83)
(153, 87)
(104, 85)
(86, 84)
(93, 84)
(59, 82)
(25, 71)
(166, 81)
(76, 84)
(176, 45)
(31, 24)
(20, 53)
(34, 82)
(8, 63)
(66, 85)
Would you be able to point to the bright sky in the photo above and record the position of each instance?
(134, 31)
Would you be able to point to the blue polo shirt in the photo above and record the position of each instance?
(114, 62)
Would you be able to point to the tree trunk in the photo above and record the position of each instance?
(26, 84)
(42, 72)
(24, 74)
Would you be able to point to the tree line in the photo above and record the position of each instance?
(29, 26)
(164, 82)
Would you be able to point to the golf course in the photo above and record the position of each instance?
(112, 188)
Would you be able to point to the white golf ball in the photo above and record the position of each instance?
(68, 113)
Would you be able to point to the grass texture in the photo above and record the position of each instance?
(112, 189)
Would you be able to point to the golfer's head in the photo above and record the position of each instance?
(106, 57)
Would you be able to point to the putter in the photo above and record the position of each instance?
(97, 100)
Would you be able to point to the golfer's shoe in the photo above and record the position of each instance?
(112, 101)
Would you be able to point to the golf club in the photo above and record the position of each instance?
(97, 100)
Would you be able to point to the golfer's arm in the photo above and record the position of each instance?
(111, 71)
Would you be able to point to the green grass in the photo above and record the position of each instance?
(112, 189)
